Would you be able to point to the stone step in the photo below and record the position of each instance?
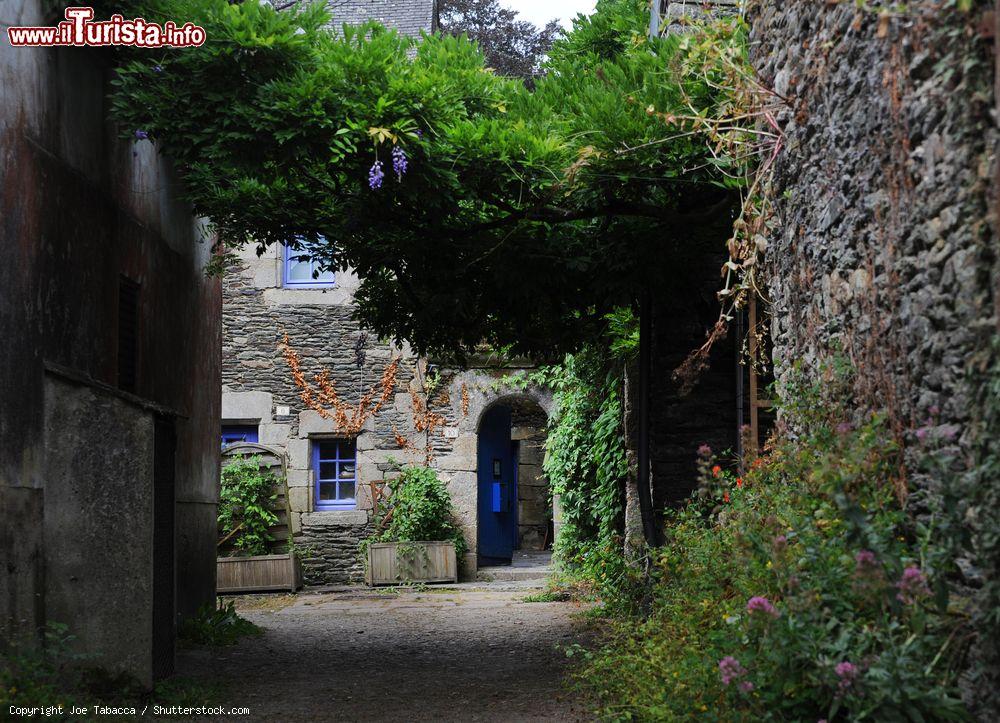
(505, 573)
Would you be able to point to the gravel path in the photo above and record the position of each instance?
(460, 654)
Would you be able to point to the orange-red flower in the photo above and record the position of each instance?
(739, 482)
(716, 470)
(725, 497)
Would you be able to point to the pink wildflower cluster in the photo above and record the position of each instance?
(847, 673)
(912, 586)
(731, 672)
(759, 604)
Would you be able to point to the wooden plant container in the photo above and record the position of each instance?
(392, 563)
(257, 573)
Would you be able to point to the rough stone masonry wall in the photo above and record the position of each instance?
(884, 250)
(258, 388)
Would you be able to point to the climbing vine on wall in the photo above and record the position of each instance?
(321, 394)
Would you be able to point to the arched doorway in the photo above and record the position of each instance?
(513, 507)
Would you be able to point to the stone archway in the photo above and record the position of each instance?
(528, 431)
(474, 394)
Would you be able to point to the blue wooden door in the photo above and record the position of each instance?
(497, 498)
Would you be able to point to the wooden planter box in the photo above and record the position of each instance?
(392, 563)
(262, 572)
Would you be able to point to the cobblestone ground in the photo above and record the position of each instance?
(462, 654)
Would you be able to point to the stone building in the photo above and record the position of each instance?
(109, 374)
(330, 474)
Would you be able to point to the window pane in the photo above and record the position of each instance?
(347, 449)
(328, 450)
(328, 491)
(328, 470)
(299, 271)
(321, 277)
(347, 490)
(347, 470)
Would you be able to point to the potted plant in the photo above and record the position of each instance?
(250, 507)
(417, 539)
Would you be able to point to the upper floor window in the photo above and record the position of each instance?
(335, 469)
(304, 271)
(128, 333)
(235, 433)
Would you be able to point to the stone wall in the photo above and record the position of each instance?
(884, 252)
(258, 388)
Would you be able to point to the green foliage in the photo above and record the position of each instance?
(547, 596)
(418, 509)
(829, 600)
(48, 673)
(245, 499)
(41, 674)
(523, 217)
(983, 483)
(586, 464)
(215, 626)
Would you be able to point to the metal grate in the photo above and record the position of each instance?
(128, 333)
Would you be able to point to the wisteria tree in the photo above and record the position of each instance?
(472, 208)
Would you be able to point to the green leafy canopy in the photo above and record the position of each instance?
(523, 217)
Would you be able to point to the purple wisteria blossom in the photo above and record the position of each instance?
(758, 604)
(375, 176)
(399, 162)
(730, 670)
(912, 586)
(141, 135)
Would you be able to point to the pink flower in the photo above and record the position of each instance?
(912, 586)
(847, 672)
(730, 669)
(704, 451)
(759, 604)
(746, 686)
(780, 543)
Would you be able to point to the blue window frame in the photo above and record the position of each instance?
(301, 271)
(335, 468)
(234, 433)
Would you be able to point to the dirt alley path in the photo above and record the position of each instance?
(469, 653)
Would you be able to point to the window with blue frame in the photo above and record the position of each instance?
(335, 468)
(304, 271)
(235, 433)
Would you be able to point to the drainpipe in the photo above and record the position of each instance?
(645, 370)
